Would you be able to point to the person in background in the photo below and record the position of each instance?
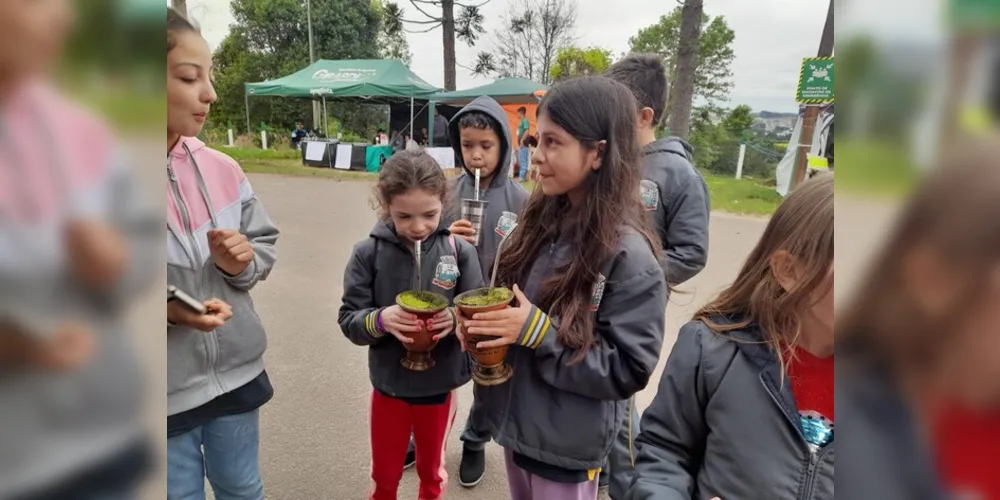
(745, 405)
(79, 242)
(423, 139)
(298, 134)
(220, 242)
(523, 155)
(440, 130)
(411, 193)
(532, 143)
(586, 257)
(676, 195)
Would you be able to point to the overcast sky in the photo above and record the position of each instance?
(772, 36)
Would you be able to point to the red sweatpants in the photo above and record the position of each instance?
(391, 422)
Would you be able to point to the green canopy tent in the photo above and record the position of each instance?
(377, 81)
(504, 90)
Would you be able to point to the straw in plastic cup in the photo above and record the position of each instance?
(474, 211)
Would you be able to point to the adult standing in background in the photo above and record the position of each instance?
(440, 130)
(523, 158)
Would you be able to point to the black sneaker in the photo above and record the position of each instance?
(603, 481)
(473, 467)
(411, 456)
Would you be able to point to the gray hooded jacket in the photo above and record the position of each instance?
(567, 414)
(380, 268)
(203, 366)
(723, 425)
(505, 196)
(678, 197)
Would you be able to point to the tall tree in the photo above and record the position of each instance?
(266, 42)
(712, 76)
(572, 62)
(392, 38)
(529, 39)
(468, 26)
(687, 63)
(737, 120)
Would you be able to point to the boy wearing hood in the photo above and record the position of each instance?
(676, 194)
(481, 137)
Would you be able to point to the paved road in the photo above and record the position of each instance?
(315, 431)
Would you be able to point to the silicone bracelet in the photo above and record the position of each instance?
(378, 321)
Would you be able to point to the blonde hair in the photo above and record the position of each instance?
(803, 227)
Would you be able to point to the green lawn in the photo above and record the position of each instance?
(745, 196)
(875, 168)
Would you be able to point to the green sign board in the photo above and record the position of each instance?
(974, 13)
(815, 81)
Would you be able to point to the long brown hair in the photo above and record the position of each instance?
(955, 214)
(803, 227)
(591, 109)
(177, 24)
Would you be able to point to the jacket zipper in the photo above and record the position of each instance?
(809, 482)
(212, 342)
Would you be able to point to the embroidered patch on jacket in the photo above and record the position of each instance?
(650, 194)
(818, 430)
(506, 222)
(446, 272)
(595, 300)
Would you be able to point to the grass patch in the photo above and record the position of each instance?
(875, 168)
(744, 196)
(255, 154)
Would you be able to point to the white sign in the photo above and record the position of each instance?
(444, 156)
(315, 150)
(343, 160)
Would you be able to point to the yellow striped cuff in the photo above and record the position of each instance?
(371, 323)
(535, 329)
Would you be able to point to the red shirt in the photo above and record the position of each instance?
(968, 447)
(812, 383)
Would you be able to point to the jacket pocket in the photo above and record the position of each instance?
(242, 339)
(187, 359)
(562, 423)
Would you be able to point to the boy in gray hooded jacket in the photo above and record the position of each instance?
(480, 136)
(677, 197)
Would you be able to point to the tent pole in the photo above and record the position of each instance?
(246, 106)
(411, 116)
(326, 124)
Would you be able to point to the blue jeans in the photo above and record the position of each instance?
(524, 161)
(229, 460)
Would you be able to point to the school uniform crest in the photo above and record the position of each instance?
(818, 429)
(505, 223)
(446, 272)
(595, 300)
(650, 194)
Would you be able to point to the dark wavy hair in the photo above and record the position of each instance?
(591, 109)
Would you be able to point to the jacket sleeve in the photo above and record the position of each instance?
(141, 223)
(262, 233)
(358, 316)
(471, 274)
(687, 231)
(629, 324)
(672, 438)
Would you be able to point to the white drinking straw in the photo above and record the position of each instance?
(477, 185)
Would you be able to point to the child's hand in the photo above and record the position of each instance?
(231, 250)
(505, 324)
(397, 322)
(218, 313)
(460, 327)
(97, 252)
(444, 321)
(70, 348)
(464, 229)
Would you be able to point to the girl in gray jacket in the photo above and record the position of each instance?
(745, 406)
(587, 329)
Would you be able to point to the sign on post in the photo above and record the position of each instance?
(815, 81)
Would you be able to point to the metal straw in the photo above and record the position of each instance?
(417, 253)
(496, 260)
(476, 196)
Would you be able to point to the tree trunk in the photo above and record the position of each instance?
(826, 41)
(448, 34)
(687, 63)
(180, 6)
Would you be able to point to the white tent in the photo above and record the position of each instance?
(786, 167)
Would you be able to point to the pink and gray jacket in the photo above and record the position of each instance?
(206, 189)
